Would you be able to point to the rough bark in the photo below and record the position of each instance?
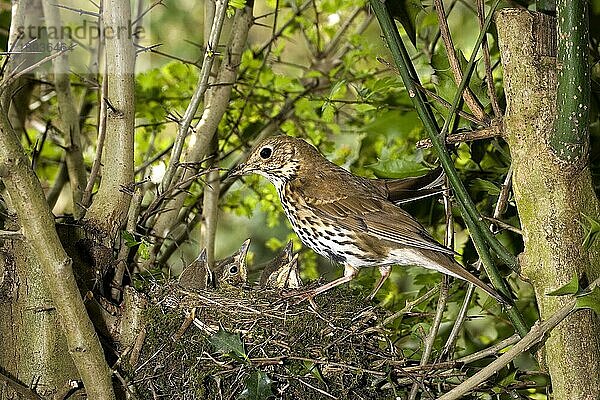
(38, 297)
(551, 197)
(27, 309)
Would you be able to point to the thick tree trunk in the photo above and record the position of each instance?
(552, 196)
(33, 349)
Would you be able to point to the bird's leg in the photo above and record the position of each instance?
(385, 271)
(349, 273)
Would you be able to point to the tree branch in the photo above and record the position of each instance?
(468, 95)
(69, 121)
(210, 54)
(110, 205)
(570, 139)
(535, 335)
(28, 199)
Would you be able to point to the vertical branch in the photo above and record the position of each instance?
(87, 193)
(485, 49)
(570, 139)
(210, 54)
(217, 101)
(69, 121)
(443, 298)
(109, 208)
(210, 208)
(116, 289)
(462, 313)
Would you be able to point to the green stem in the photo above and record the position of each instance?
(479, 231)
(570, 139)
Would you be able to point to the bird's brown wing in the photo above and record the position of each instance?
(405, 190)
(375, 217)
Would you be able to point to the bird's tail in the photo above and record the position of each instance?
(449, 266)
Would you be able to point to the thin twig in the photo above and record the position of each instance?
(446, 104)
(87, 194)
(333, 43)
(411, 304)
(210, 206)
(485, 48)
(78, 10)
(489, 351)
(503, 196)
(503, 225)
(132, 218)
(317, 389)
(442, 299)
(209, 58)
(462, 314)
(15, 75)
(468, 95)
(468, 136)
(146, 11)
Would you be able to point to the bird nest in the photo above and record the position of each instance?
(256, 343)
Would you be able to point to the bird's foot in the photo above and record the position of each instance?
(300, 296)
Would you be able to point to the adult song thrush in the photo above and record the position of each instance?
(346, 218)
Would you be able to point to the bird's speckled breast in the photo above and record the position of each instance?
(329, 241)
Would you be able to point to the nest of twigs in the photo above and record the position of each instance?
(258, 343)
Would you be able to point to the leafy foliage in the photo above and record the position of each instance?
(316, 70)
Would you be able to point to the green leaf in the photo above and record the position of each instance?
(328, 111)
(129, 239)
(446, 86)
(232, 5)
(590, 300)
(570, 288)
(393, 124)
(314, 371)
(338, 90)
(397, 168)
(507, 380)
(228, 343)
(592, 231)
(405, 12)
(258, 386)
(483, 185)
(144, 249)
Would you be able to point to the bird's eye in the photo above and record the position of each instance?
(233, 270)
(265, 152)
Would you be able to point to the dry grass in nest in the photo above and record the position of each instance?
(254, 343)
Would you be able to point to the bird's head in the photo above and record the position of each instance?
(233, 270)
(277, 158)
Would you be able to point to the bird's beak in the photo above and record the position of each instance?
(244, 249)
(241, 169)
